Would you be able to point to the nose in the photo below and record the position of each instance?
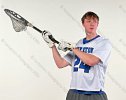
(92, 23)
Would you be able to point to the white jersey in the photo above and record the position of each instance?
(89, 78)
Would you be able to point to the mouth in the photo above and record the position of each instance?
(91, 28)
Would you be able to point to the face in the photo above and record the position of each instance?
(90, 25)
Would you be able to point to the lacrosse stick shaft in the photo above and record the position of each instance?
(37, 29)
(49, 36)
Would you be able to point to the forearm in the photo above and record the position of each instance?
(88, 59)
(60, 62)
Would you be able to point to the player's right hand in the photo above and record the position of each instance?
(64, 46)
(46, 34)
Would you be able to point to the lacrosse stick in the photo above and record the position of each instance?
(21, 24)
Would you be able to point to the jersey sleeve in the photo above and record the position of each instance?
(69, 57)
(103, 50)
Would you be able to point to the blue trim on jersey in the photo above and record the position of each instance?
(75, 69)
(87, 92)
(86, 41)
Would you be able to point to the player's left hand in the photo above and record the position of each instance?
(64, 46)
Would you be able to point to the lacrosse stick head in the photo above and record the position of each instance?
(18, 22)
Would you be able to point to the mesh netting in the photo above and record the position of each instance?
(18, 22)
(18, 25)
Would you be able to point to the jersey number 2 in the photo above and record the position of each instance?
(81, 66)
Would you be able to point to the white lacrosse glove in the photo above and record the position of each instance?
(46, 36)
(64, 46)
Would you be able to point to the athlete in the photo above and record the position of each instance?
(88, 60)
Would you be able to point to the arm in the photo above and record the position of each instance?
(88, 59)
(60, 62)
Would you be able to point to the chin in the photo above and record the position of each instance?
(90, 32)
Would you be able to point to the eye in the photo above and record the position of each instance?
(88, 20)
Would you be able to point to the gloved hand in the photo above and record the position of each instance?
(46, 36)
(64, 46)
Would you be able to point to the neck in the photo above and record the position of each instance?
(90, 35)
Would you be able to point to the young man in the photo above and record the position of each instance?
(88, 59)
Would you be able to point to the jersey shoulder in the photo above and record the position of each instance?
(79, 42)
(103, 41)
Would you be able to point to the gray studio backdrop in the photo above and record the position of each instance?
(27, 69)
